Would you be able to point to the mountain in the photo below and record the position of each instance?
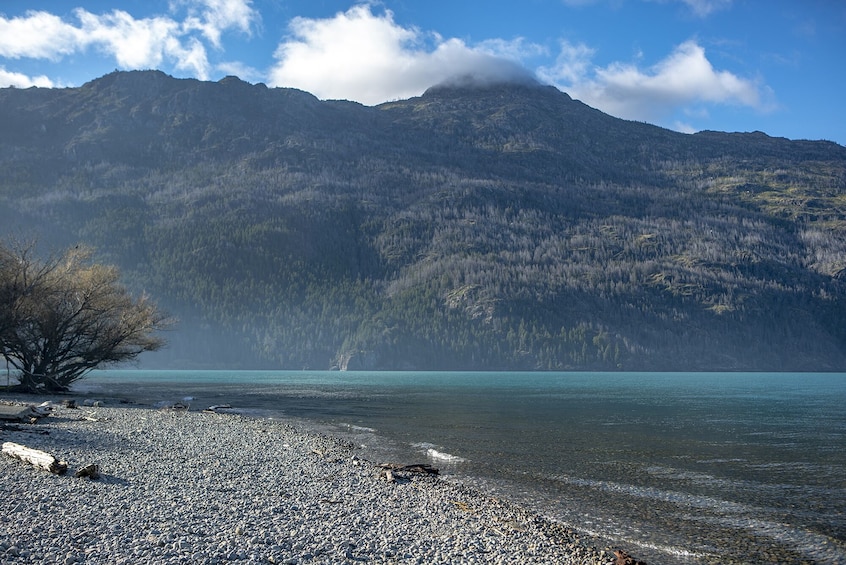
(498, 226)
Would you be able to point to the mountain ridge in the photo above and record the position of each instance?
(504, 226)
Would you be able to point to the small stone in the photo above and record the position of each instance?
(155, 540)
(91, 471)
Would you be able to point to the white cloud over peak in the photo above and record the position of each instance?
(515, 50)
(369, 58)
(134, 43)
(683, 79)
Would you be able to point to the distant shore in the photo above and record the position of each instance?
(180, 486)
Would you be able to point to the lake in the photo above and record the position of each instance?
(674, 467)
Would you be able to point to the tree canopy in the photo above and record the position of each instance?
(64, 316)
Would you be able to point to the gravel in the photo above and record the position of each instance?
(182, 486)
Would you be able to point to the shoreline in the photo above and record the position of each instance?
(194, 487)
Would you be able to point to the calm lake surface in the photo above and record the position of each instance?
(673, 467)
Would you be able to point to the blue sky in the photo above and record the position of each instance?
(732, 65)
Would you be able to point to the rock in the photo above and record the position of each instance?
(43, 409)
(624, 558)
(91, 471)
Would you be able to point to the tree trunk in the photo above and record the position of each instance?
(40, 459)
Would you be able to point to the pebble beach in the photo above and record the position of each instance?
(187, 486)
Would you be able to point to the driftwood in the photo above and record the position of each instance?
(420, 468)
(173, 406)
(15, 413)
(219, 409)
(40, 459)
(393, 472)
(25, 414)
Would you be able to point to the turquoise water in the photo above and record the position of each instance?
(674, 467)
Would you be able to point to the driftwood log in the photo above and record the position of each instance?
(23, 414)
(15, 413)
(35, 457)
(393, 472)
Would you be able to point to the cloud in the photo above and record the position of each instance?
(212, 17)
(515, 50)
(703, 8)
(38, 35)
(133, 43)
(19, 80)
(683, 79)
(240, 70)
(571, 65)
(683, 127)
(369, 58)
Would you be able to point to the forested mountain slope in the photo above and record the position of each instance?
(475, 227)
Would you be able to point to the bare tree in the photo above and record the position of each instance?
(63, 317)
